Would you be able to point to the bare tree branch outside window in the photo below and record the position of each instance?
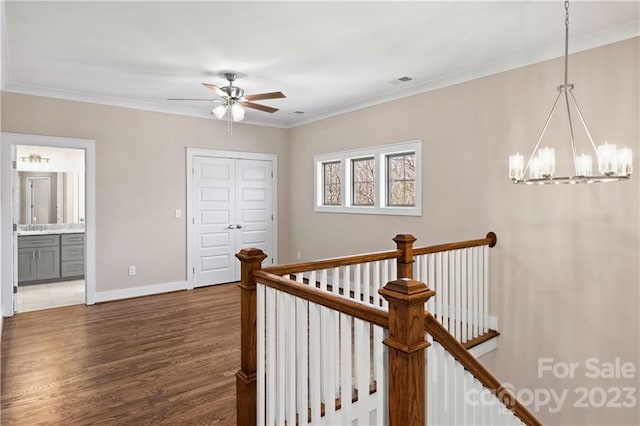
(332, 172)
(401, 175)
(363, 181)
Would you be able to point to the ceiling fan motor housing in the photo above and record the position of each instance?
(235, 93)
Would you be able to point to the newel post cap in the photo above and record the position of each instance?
(251, 255)
(406, 290)
(404, 239)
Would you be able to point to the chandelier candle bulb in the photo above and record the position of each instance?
(607, 163)
(516, 166)
(547, 161)
(625, 161)
(534, 168)
(583, 165)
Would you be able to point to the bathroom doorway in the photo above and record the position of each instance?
(48, 243)
(49, 212)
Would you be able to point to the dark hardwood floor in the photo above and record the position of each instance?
(168, 359)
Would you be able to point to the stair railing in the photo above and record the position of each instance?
(312, 352)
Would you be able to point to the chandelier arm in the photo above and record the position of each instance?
(573, 141)
(584, 124)
(544, 129)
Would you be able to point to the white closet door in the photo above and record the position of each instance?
(233, 209)
(254, 206)
(214, 221)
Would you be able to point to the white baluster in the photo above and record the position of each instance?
(289, 357)
(378, 282)
(457, 310)
(271, 357)
(431, 280)
(474, 257)
(363, 367)
(486, 287)
(323, 280)
(366, 283)
(302, 367)
(438, 312)
(481, 313)
(346, 359)
(452, 289)
(346, 282)
(464, 307)
(281, 367)
(314, 362)
(260, 353)
(329, 347)
(379, 372)
(445, 289)
(357, 284)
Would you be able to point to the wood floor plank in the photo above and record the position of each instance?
(168, 359)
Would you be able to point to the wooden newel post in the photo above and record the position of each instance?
(246, 404)
(406, 343)
(404, 242)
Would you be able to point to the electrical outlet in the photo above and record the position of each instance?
(299, 255)
(132, 271)
(178, 213)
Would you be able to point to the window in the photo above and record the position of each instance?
(332, 183)
(377, 180)
(362, 170)
(401, 172)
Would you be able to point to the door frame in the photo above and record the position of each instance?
(7, 249)
(236, 155)
(29, 190)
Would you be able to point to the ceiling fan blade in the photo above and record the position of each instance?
(259, 107)
(218, 91)
(261, 96)
(193, 99)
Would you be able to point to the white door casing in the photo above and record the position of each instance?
(231, 205)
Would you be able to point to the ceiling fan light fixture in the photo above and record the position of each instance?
(237, 112)
(220, 111)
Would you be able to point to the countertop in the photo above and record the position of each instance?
(51, 231)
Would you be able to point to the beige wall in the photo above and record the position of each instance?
(141, 178)
(565, 271)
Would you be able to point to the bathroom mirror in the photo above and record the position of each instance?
(50, 197)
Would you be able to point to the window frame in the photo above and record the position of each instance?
(381, 180)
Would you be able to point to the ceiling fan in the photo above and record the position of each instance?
(233, 100)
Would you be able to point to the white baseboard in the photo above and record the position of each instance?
(147, 290)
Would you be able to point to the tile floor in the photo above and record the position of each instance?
(34, 297)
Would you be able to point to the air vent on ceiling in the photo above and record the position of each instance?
(405, 79)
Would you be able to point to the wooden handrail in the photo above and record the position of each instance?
(490, 240)
(332, 262)
(335, 262)
(370, 313)
(471, 364)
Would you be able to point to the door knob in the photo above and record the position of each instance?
(231, 227)
(239, 226)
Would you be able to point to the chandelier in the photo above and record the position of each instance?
(613, 163)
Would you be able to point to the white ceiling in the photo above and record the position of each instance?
(327, 57)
